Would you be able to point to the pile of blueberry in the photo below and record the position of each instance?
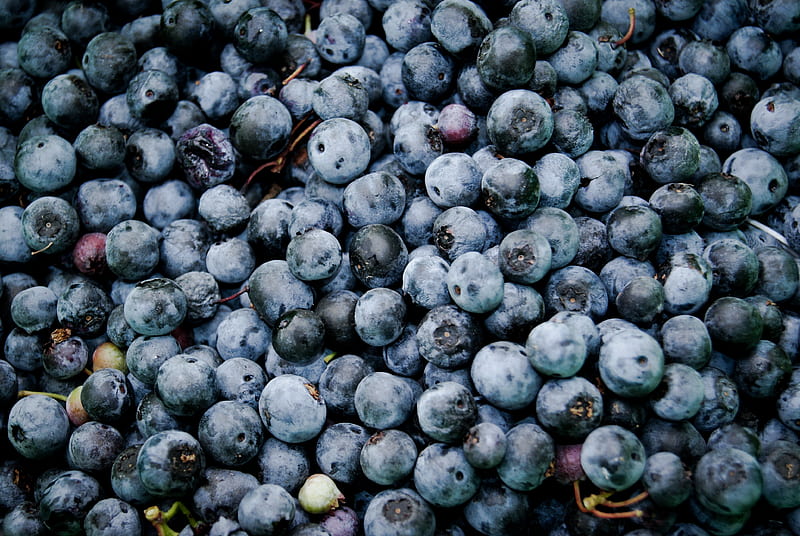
(399, 267)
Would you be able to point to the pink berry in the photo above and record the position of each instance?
(89, 254)
(457, 124)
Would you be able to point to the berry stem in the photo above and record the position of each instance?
(633, 500)
(631, 28)
(233, 296)
(23, 393)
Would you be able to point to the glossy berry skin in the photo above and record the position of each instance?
(66, 501)
(107, 396)
(519, 122)
(378, 256)
(187, 28)
(37, 427)
(506, 58)
(231, 433)
(643, 107)
(170, 463)
(733, 491)
(510, 189)
(259, 35)
(260, 127)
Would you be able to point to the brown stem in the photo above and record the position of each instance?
(631, 28)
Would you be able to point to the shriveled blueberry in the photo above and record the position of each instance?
(206, 156)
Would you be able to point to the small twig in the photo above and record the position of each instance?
(631, 28)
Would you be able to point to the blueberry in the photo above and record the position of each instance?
(570, 408)
(329, 159)
(753, 51)
(292, 409)
(132, 249)
(379, 316)
(522, 308)
(559, 178)
(340, 95)
(777, 488)
(631, 363)
(667, 479)
(503, 375)
(524, 256)
(34, 309)
(771, 123)
(399, 512)
(341, 38)
(406, 24)
(170, 463)
(602, 181)
(107, 396)
(45, 163)
(230, 432)
(44, 51)
(720, 403)
(377, 256)
(206, 156)
(155, 306)
(260, 127)
(338, 450)
(576, 289)
(735, 494)
(506, 58)
(459, 230)
(383, 400)
(67, 500)
(416, 145)
(37, 427)
(444, 477)
(146, 354)
(530, 452)
(274, 290)
(475, 283)
(548, 23)
(776, 274)
(643, 106)
(496, 509)
(388, 456)
(510, 189)
(612, 457)
(20, 99)
(375, 198)
(84, 307)
(94, 446)
(576, 59)
(519, 122)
